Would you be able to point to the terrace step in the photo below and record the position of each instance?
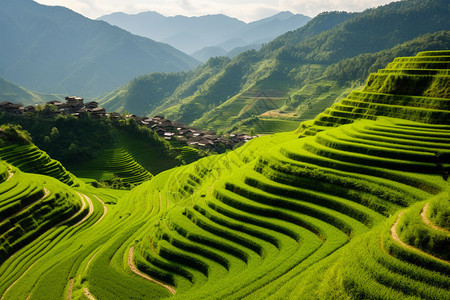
(28, 210)
(31, 159)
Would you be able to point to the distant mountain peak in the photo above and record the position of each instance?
(284, 14)
(191, 34)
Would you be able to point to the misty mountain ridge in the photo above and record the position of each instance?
(53, 49)
(191, 34)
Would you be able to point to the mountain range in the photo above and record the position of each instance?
(192, 34)
(55, 50)
(295, 76)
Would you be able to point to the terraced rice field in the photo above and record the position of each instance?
(358, 211)
(270, 126)
(30, 205)
(116, 162)
(267, 222)
(30, 158)
(150, 155)
(412, 88)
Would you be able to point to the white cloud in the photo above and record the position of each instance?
(248, 10)
(314, 7)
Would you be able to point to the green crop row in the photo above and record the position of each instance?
(31, 159)
(363, 99)
(375, 271)
(439, 211)
(415, 232)
(375, 194)
(293, 154)
(119, 162)
(338, 204)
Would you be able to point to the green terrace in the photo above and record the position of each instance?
(116, 162)
(266, 222)
(30, 158)
(32, 204)
(413, 88)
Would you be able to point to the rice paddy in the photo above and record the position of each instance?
(357, 211)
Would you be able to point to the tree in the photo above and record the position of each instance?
(54, 134)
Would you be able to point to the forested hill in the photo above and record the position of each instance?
(55, 50)
(287, 77)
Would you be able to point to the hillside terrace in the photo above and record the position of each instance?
(167, 129)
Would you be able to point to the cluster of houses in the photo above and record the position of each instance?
(169, 130)
(196, 138)
(75, 106)
(72, 106)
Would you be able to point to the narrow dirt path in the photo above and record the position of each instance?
(398, 240)
(90, 260)
(88, 294)
(136, 271)
(91, 208)
(105, 210)
(69, 291)
(424, 213)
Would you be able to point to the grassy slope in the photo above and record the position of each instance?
(279, 217)
(32, 204)
(413, 88)
(16, 94)
(31, 159)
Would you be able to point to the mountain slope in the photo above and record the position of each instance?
(185, 33)
(152, 92)
(298, 74)
(253, 109)
(55, 50)
(295, 65)
(208, 52)
(13, 93)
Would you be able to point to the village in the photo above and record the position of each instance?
(167, 129)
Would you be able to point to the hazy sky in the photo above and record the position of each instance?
(246, 10)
